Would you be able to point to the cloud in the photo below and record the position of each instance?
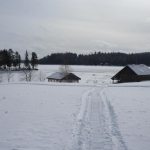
(80, 26)
(148, 20)
(103, 45)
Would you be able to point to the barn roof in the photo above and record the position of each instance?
(137, 69)
(140, 69)
(57, 75)
(61, 75)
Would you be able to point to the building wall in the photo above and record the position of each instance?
(71, 77)
(125, 75)
(133, 78)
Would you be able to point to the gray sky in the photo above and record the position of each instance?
(80, 26)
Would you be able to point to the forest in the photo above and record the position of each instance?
(97, 58)
(12, 60)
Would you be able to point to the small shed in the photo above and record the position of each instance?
(63, 77)
(132, 73)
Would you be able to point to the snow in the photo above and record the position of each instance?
(76, 116)
(57, 75)
(130, 105)
(37, 116)
(140, 69)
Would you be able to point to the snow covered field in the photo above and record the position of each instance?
(129, 106)
(37, 116)
(76, 116)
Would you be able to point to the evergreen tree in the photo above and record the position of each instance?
(1, 59)
(10, 57)
(16, 60)
(4, 58)
(26, 61)
(19, 60)
(34, 60)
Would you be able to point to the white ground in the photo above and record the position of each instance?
(129, 106)
(83, 116)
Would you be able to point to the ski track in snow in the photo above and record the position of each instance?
(95, 127)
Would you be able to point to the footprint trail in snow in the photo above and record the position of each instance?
(94, 126)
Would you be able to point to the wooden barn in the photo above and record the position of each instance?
(132, 73)
(63, 77)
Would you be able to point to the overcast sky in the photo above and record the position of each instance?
(80, 26)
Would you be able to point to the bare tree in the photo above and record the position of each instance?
(9, 75)
(27, 74)
(65, 69)
(41, 76)
(1, 76)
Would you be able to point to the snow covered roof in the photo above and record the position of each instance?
(140, 69)
(57, 75)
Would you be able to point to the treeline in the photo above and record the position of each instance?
(97, 58)
(10, 59)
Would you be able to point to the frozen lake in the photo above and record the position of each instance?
(102, 73)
